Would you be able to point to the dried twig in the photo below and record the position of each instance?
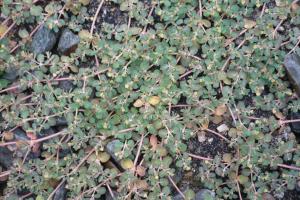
(200, 8)
(110, 191)
(288, 167)
(263, 10)
(138, 151)
(277, 27)
(95, 17)
(281, 122)
(32, 142)
(218, 134)
(186, 74)
(52, 80)
(7, 31)
(82, 161)
(175, 186)
(55, 190)
(294, 48)
(6, 173)
(239, 190)
(199, 157)
(149, 14)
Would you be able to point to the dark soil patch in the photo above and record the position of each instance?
(110, 13)
(292, 195)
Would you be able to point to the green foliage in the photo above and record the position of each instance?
(224, 53)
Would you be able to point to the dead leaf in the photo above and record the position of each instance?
(35, 146)
(138, 185)
(153, 141)
(154, 100)
(138, 103)
(249, 23)
(3, 29)
(8, 136)
(220, 110)
(140, 170)
(205, 124)
(217, 119)
(278, 114)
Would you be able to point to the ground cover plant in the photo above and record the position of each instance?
(145, 99)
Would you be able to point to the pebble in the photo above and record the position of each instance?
(67, 42)
(295, 126)
(292, 66)
(205, 194)
(60, 194)
(11, 74)
(6, 157)
(43, 40)
(111, 149)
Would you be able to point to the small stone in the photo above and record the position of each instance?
(298, 186)
(61, 121)
(43, 40)
(111, 149)
(222, 128)
(292, 66)
(6, 157)
(109, 197)
(60, 194)
(67, 42)
(201, 136)
(205, 194)
(66, 85)
(20, 134)
(11, 74)
(49, 131)
(295, 126)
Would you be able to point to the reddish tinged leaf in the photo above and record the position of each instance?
(153, 141)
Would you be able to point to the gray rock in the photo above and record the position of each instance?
(109, 197)
(298, 186)
(292, 66)
(295, 126)
(49, 131)
(11, 74)
(60, 194)
(205, 194)
(43, 40)
(61, 121)
(6, 157)
(19, 134)
(111, 149)
(66, 85)
(67, 42)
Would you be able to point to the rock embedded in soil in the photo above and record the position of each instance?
(6, 157)
(111, 149)
(43, 40)
(67, 42)
(60, 194)
(205, 194)
(66, 85)
(295, 126)
(11, 74)
(292, 66)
